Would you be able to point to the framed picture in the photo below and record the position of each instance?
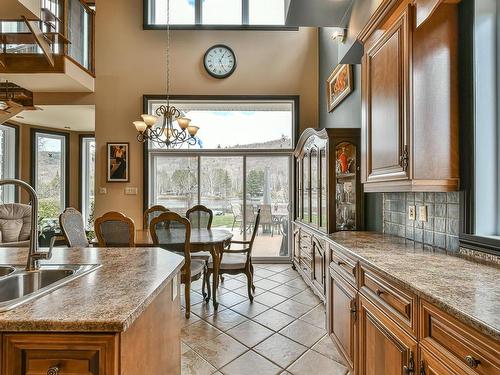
(117, 162)
(338, 85)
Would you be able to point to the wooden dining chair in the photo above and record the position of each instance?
(73, 228)
(200, 216)
(153, 212)
(236, 260)
(168, 226)
(114, 229)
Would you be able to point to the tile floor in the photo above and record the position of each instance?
(281, 332)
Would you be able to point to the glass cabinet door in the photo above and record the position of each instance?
(345, 195)
(306, 165)
(314, 186)
(300, 189)
(323, 170)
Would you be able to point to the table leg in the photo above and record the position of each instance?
(215, 281)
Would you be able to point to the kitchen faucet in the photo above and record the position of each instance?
(33, 255)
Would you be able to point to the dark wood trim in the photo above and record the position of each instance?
(16, 151)
(146, 98)
(80, 169)
(33, 132)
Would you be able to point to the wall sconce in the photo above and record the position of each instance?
(339, 34)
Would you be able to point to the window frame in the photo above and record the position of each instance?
(81, 138)
(148, 14)
(467, 237)
(34, 132)
(16, 152)
(244, 153)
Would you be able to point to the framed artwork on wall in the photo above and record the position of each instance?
(338, 85)
(117, 162)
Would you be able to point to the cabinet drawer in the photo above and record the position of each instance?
(400, 304)
(465, 347)
(344, 264)
(39, 354)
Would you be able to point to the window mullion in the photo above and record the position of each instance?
(198, 13)
(245, 12)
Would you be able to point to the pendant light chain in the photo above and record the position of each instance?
(168, 53)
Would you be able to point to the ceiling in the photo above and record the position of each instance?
(80, 118)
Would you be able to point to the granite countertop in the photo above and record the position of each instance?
(466, 288)
(108, 299)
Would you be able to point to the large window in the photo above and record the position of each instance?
(481, 124)
(87, 179)
(8, 161)
(50, 151)
(215, 13)
(242, 162)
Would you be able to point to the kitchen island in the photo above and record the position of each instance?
(122, 318)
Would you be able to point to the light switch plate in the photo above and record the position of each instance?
(422, 213)
(411, 213)
(131, 191)
(103, 190)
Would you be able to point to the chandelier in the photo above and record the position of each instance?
(166, 135)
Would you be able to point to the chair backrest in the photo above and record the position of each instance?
(153, 212)
(200, 217)
(114, 229)
(172, 232)
(249, 213)
(254, 232)
(266, 215)
(73, 228)
(15, 222)
(236, 209)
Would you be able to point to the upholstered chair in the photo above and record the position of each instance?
(114, 229)
(73, 228)
(15, 225)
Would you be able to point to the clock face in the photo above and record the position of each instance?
(220, 61)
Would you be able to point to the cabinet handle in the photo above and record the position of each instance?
(379, 292)
(340, 263)
(422, 368)
(54, 370)
(471, 361)
(410, 369)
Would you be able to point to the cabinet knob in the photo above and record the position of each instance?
(471, 361)
(340, 263)
(54, 370)
(379, 292)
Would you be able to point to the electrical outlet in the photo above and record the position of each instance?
(103, 190)
(422, 213)
(131, 191)
(411, 213)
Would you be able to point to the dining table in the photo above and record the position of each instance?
(211, 240)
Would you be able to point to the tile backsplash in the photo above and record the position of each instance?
(443, 218)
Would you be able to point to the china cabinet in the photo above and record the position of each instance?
(328, 196)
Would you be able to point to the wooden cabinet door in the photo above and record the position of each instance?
(386, 105)
(319, 265)
(296, 244)
(36, 354)
(384, 348)
(342, 317)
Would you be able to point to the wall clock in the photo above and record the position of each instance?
(220, 61)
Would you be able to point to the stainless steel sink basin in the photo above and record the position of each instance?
(18, 286)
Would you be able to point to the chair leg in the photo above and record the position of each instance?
(251, 270)
(187, 297)
(204, 282)
(209, 291)
(249, 284)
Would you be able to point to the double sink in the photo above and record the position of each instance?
(18, 286)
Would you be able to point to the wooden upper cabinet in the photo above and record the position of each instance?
(410, 102)
(384, 348)
(385, 77)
